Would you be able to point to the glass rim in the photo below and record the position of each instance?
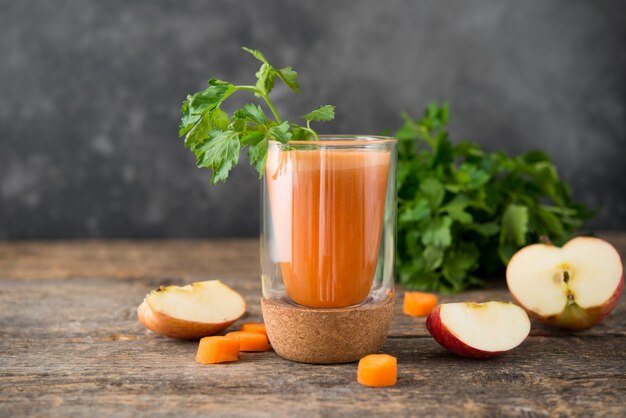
(342, 140)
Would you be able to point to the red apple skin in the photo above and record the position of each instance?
(447, 340)
(168, 326)
(575, 318)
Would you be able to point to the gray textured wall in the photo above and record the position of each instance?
(90, 93)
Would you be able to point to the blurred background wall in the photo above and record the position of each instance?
(90, 93)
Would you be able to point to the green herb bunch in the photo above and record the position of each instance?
(216, 138)
(463, 212)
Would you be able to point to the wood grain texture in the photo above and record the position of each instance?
(70, 345)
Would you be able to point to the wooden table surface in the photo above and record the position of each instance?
(70, 345)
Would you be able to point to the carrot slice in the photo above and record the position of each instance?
(217, 350)
(377, 370)
(418, 303)
(256, 327)
(250, 341)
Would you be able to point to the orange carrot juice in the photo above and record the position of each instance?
(327, 214)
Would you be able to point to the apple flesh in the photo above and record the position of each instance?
(573, 287)
(193, 311)
(478, 330)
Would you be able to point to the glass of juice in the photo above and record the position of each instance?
(328, 221)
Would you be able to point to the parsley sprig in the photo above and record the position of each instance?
(463, 212)
(216, 138)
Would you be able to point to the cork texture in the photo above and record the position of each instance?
(326, 336)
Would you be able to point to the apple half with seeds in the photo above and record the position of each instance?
(193, 311)
(573, 287)
(478, 330)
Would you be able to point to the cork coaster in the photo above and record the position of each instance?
(326, 336)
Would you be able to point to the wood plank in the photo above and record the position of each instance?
(108, 306)
(73, 347)
(543, 377)
(128, 259)
(146, 258)
(70, 345)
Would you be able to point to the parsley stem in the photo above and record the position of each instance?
(308, 128)
(265, 97)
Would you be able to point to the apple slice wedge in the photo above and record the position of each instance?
(573, 287)
(478, 330)
(193, 311)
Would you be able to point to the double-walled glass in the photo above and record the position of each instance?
(329, 221)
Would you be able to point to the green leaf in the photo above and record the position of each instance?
(421, 280)
(290, 78)
(443, 151)
(219, 153)
(251, 112)
(506, 250)
(471, 177)
(198, 111)
(199, 132)
(476, 207)
(433, 258)
(253, 137)
(219, 119)
(433, 190)
(280, 133)
(210, 98)
(257, 154)
(188, 120)
(437, 232)
(514, 224)
(267, 74)
(300, 134)
(196, 106)
(415, 211)
(216, 138)
(265, 78)
(487, 229)
(552, 223)
(456, 209)
(321, 114)
(459, 262)
(256, 54)
(468, 149)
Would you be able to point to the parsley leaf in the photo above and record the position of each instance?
(257, 153)
(219, 153)
(267, 74)
(321, 114)
(280, 132)
(463, 212)
(216, 138)
(290, 78)
(265, 79)
(252, 113)
(324, 113)
(208, 99)
(515, 224)
(437, 232)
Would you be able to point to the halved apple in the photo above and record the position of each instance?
(478, 330)
(572, 287)
(193, 311)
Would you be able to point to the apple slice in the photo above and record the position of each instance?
(572, 287)
(478, 330)
(193, 311)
